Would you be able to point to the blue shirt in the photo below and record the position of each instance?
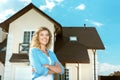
(38, 59)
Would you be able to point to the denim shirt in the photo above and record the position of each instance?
(38, 59)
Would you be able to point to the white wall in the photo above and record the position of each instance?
(72, 70)
(21, 71)
(91, 54)
(29, 21)
(79, 71)
(86, 70)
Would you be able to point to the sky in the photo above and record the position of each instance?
(104, 15)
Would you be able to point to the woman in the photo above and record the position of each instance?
(43, 61)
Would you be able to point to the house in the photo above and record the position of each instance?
(20, 28)
(74, 46)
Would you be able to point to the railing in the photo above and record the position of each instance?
(23, 47)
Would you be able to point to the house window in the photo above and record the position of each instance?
(24, 47)
(28, 36)
(73, 38)
(66, 74)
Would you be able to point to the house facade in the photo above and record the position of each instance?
(77, 55)
(21, 28)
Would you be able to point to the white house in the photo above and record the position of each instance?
(75, 47)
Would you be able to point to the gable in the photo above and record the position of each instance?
(5, 25)
(31, 20)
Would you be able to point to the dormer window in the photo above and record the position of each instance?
(73, 38)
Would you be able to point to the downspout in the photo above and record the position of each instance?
(78, 71)
(94, 52)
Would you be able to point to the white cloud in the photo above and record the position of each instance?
(95, 23)
(50, 4)
(107, 69)
(5, 14)
(81, 7)
(3, 1)
(26, 1)
(8, 7)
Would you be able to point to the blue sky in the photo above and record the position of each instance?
(102, 14)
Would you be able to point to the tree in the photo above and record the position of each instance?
(116, 73)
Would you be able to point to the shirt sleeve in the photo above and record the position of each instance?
(35, 63)
(57, 61)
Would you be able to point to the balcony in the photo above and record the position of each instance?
(23, 48)
(22, 55)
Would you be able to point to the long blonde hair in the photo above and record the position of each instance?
(35, 39)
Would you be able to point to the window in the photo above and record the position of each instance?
(66, 74)
(28, 36)
(24, 47)
(73, 38)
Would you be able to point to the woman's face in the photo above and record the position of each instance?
(44, 37)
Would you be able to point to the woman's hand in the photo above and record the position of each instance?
(33, 70)
(52, 69)
(56, 68)
(47, 65)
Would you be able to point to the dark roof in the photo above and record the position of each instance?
(71, 52)
(2, 57)
(19, 58)
(87, 36)
(5, 24)
(76, 51)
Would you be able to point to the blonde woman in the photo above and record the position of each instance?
(43, 61)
